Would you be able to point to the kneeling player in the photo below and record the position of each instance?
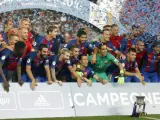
(85, 72)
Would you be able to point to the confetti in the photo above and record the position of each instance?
(142, 12)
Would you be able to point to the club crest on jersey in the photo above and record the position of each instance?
(53, 63)
(28, 61)
(47, 61)
(123, 64)
(3, 57)
(65, 45)
(68, 62)
(92, 72)
(35, 43)
(90, 45)
(20, 59)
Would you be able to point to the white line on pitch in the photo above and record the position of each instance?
(150, 118)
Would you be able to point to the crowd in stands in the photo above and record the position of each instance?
(26, 56)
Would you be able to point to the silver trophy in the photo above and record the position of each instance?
(139, 106)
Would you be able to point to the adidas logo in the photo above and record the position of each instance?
(41, 102)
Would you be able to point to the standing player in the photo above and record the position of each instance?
(150, 66)
(23, 32)
(115, 38)
(10, 63)
(147, 38)
(59, 40)
(140, 53)
(81, 41)
(8, 25)
(129, 40)
(12, 39)
(25, 23)
(37, 36)
(60, 64)
(37, 66)
(98, 38)
(106, 40)
(49, 40)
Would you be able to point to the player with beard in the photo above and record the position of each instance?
(84, 46)
(59, 65)
(140, 52)
(10, 63)
(37, 66)
(129, 40)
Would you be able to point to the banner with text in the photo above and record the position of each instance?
(114, 99)
(45, 101)
(70, 100)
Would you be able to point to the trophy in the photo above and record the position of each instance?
(139, 107)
